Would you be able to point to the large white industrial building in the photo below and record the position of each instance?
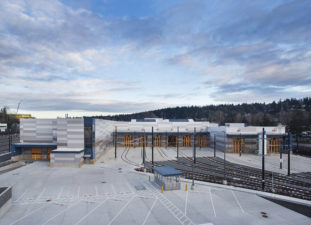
(71, 141)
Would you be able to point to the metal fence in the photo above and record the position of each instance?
(6, 140)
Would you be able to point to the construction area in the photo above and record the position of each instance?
(154, 171)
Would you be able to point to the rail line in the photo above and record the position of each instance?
(212, 170)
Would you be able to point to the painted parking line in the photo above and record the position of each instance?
(237, 201)
(60, 193)
(210, 194)
(32, 212)
(21, 196)
(149, 212)
(84, 217)
(62, 211)
(41, 193)
(121, 210)
(186, 202)
(78, 193)
(113, 189)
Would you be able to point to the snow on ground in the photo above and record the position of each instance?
(111, 192)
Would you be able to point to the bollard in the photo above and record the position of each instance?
(186, 187)
(149, 178)
(162, 189)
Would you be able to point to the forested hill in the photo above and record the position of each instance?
(289, 111)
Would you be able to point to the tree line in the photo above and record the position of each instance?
(295, 114)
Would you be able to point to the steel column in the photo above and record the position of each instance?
(115, 143)
(152, 146)
(288, 153)
(263, 159)
(177, 142)
(194, 146)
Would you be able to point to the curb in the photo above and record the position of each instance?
(12, 166)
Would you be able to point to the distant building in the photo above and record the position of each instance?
(3, 127)
(21, 116)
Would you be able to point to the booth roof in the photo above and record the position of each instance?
(167, 171)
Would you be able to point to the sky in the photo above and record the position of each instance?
(122, 56)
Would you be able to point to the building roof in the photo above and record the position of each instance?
(178, 120)
(167, 171)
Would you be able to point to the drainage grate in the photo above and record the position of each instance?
(140, 187)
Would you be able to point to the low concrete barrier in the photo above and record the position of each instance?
(5, 157)
(5, 199)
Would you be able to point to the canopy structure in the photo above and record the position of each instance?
(167, 171)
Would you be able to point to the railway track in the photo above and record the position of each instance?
(126, 159)
(212, 170)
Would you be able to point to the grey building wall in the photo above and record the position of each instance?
(66, 159)
(38, 131)
(70, 133)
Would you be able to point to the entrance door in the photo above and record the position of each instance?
(238, 144)
(128, 141)
(202, 141)
(274, 145)
(186, 141)
(171, 141)
(157, 141)
(36, 153)
(141, 143)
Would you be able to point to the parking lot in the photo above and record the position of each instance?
(110, 192)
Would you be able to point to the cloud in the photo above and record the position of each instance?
(94, 56)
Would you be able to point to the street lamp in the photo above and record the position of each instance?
(225, 180)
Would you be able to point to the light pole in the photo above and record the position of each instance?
(263, 159)
(240, 144)
(144, 148)
(115, 143)
(214, 145)
(177, 142)
(194, 146)
(152, 145)
(288, 153)
(225, 179)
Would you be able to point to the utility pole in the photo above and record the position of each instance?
(194, 146)
(115, 142)
(263, 159)
(240, 144)
(152, 146)
(225, 179)
(177, 142)
(214, 145)
(144, 149)
(281, 151)
(288, 154)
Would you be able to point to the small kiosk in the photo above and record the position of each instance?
(168, 177)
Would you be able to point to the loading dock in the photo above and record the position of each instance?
(201, 141)
(274, 145)
(158, 141)
(36, 153)
(238, 145)
(141, 141)
(171, 141)
(128, 141)
(186, 141)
